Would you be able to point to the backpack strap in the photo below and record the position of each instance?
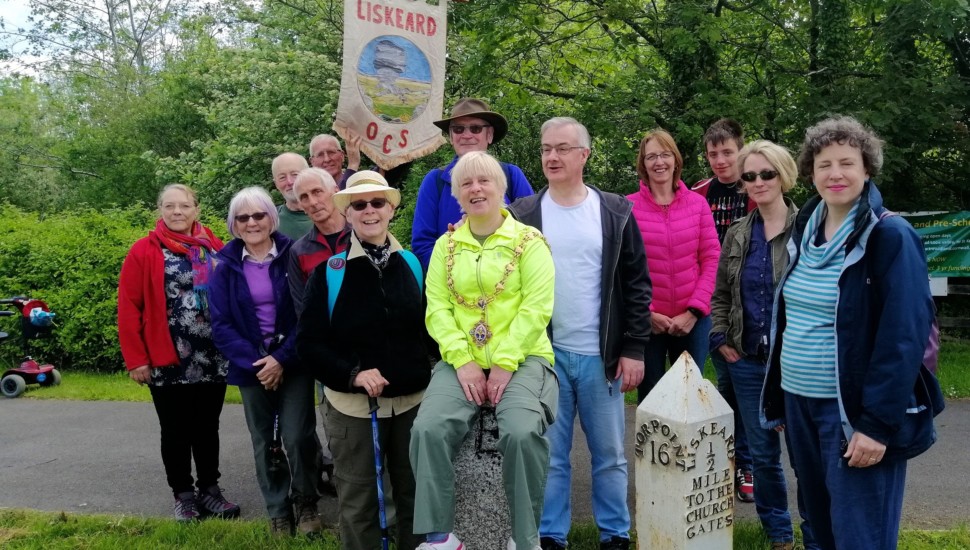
(337, 267)
(415, 266)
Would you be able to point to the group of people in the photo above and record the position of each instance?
(546, 307)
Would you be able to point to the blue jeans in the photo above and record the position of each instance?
(664, 346)
(583, 388)
(857, 508)
(770, 490)
(742, 456)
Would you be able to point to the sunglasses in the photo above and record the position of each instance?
(258, 216)
(360, 206)
(766, 175)
(474, 128)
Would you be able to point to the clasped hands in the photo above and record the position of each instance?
(679, 325)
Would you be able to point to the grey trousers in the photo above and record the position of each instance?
(527, 408)
(298, 474)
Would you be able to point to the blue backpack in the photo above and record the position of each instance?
(336, 268)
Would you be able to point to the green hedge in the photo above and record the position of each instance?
(71, 260)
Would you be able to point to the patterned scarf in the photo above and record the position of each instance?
(198, 247)
(377, 254)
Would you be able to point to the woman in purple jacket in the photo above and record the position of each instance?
(682, 252)
(253, 322)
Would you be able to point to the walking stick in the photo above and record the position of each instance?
(380, 471)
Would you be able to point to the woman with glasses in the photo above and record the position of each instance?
(850, 330)
(253, 324)
(472, 126)
(682, 250)
(490, 296)
(753, 257)
(362, 333)
(165, 337)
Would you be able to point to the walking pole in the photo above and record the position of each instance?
(380, 471)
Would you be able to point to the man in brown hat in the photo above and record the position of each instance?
(472, 126)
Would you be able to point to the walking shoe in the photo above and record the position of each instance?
(549, 543)
(615, 543)
(450, 543)
(186, 508)
(745, 485)
(307, 518)
(281, 527)
(511, 545)
(779, 545)
(212, 503)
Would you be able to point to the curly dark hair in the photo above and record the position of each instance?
(842, 130)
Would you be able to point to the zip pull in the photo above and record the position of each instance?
(609, 386)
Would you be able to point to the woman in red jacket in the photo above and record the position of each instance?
(682, 252)
(165, 336)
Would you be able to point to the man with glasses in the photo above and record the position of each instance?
(326, 154)
(472, 126)
(294, 222)
(600, 327)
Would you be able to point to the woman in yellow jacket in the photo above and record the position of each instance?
(490, 295)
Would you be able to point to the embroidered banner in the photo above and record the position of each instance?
(393, 78)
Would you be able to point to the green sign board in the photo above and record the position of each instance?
(946, 238)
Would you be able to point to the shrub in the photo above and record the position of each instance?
(71, 260)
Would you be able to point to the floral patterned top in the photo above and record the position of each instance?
(190, 328)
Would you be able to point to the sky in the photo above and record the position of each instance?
(14, 14)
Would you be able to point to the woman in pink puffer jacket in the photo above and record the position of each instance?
(682, 254)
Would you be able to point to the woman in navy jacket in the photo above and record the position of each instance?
(851, 321)
(253, 324)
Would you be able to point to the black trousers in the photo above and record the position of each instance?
(189, 417)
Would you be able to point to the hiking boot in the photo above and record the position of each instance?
(779, 545)
(450, 543)
(186, 508)
(307, 517)
(615, 543)
(549, 543)
(745, 485)
(212, 503)
(281, 527)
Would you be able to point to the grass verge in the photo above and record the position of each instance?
(88, 386)
(27, 529)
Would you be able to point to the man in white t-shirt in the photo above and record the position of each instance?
(600, 326)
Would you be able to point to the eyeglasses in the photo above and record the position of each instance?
(559, 149)
(360, 206)
(244, 218)
(666, 155)
(327, 153)
(474, 128)
(766, 175)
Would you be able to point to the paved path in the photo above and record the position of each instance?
(103, 457)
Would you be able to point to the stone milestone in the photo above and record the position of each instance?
(482, 517)
(684, 454)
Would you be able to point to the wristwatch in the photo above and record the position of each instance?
(696, 312)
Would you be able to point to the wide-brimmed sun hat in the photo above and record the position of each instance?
(477, 108)
(365, 181)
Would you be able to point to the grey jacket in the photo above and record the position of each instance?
(626, 290)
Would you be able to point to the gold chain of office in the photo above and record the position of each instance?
(481, 333)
